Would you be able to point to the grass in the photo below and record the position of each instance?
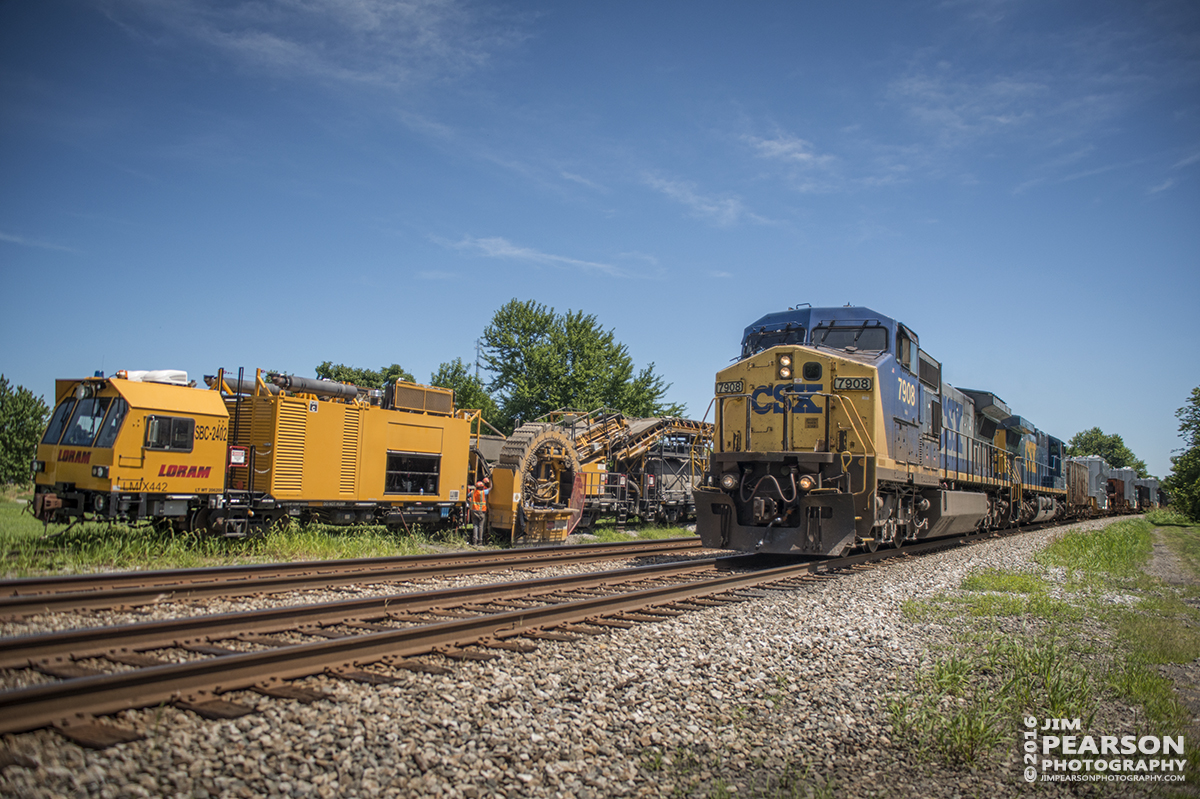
(28, 548)
(1120, 550)
(606, 532)
(965, 705)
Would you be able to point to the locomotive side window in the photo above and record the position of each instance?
(59, 421)
(85, 421)
(905, 349)
(851, 338)
(112, 423)
(173, 433)
(409, 473)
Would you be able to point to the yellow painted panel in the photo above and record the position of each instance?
(414, 438)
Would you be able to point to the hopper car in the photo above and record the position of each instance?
(834, 431)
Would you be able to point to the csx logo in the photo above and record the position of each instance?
(908, 392)
(768, 399)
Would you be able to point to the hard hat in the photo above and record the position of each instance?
(479, 485)
(487, 481)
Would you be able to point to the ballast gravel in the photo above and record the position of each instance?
(782, 695)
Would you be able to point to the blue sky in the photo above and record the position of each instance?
(194, 184)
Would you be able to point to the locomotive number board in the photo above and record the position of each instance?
(731, 387)
(851, 384)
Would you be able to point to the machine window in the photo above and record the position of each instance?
(85, 422)
(872, 339)
(59, 421)
(112, 423)
(409, 473)
(175, 433)
(765, 339)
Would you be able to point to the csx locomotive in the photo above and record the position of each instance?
(835, 431)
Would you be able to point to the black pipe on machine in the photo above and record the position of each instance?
(308, 385)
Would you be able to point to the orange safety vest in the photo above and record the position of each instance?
(478, 501)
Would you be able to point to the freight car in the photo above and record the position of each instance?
(835, 431)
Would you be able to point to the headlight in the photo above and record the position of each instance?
(39, 467)
(100, 471)
(99, 503)
(785, 367)
(807, 483)
(729, 481)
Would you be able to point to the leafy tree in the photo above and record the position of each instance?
(1183, 485)
(1189, 420)
(469, 391)
(363, 378)
(1110, 447)
(23, 419)
(541, 361)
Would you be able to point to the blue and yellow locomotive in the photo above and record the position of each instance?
(835, 431)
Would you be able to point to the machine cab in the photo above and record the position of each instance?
(136, 445)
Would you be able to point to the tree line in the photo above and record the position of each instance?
(538, 360)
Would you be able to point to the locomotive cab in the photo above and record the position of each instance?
(800, 437)
(134, 446)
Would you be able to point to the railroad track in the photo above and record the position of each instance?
(365, 640)
(33, 595)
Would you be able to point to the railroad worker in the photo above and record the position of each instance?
(479, 509)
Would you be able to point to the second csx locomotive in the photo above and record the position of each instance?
(835, 431)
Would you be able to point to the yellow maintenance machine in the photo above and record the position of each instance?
(570, 467)
(342, 455)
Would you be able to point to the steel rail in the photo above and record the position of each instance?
(29, 596)
(194, 681)
(29, 650)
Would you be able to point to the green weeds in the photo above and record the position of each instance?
(29, 548)
(964, 705)
(1118, 551)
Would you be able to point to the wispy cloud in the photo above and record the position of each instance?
(1191, 159)
(571, 176)
(787, 148)
(42, 245)
(381, 42)
(497, 247)
(722, 211)
(958, 109)
(1166, 184)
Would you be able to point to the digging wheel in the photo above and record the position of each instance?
(544, 460)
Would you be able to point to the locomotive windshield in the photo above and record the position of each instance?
(85, 422)
(59, 421)
(765, 339)
(851, 338)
